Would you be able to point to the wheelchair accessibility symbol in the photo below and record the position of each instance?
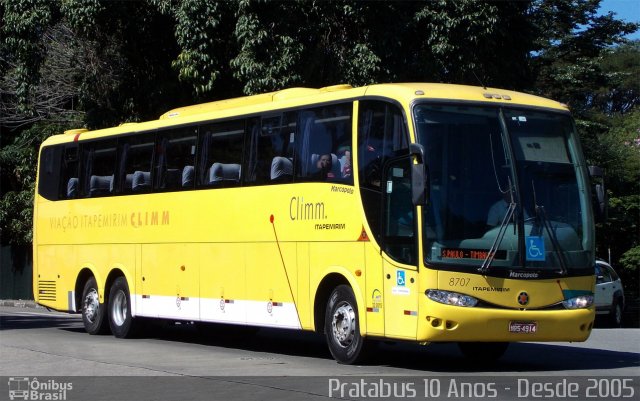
(535, 249)
(400, 282)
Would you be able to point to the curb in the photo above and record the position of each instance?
(19, 303)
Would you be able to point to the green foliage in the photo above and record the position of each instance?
(16, 215)
(629, 268)
(267, 52)
(82, 15)
(571, 41)
(18, 161)
(129, 50)
(621, 65)
(631, 259)
(23, 24)
(620, 150)
(283, 44)
(463, 40)
(201, 41)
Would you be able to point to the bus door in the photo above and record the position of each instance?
(399, 251)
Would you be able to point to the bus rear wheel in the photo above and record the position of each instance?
(483, 351)
(342, 327)
(122, 324)
(93, 316)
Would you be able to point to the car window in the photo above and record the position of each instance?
(612, 273)
(603, 271)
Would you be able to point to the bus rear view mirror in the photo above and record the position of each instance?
(419, 176)
(599, 199)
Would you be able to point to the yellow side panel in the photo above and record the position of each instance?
(266, 276)
(60, 264)
(304, 298)
(222, 274)
(52, 283)
(223, 282)
(170, 274)
(374, 296)
(401, 300)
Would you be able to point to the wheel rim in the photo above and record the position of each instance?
(91, 305)
(119, 308)
(618, 315)
(343, 324)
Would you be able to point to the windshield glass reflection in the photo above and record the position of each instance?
(522, 196)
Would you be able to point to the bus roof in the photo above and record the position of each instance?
(404, 93)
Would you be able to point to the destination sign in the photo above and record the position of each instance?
(458, 253)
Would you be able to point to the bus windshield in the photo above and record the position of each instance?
(507, 191)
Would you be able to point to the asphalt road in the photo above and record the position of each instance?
(179, 362)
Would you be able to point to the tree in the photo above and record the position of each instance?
(620, 234)
(52, 98)
(621, 65)
(571, 39)
(23, 24)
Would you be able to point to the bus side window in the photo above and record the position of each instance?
(325, 144)
(271, 150)
(70, 182)
(382, 134)
(48, 182)
(399, 218)
(221, 156)
(175, 159)
(136, 158)
(99, 165)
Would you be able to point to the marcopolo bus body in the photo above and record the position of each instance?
(418, 212)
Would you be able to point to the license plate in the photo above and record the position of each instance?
(523, 327)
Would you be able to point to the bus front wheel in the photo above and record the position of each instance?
(342, 327)
(93, 316)
(122, 324)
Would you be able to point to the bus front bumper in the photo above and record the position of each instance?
(442, 323)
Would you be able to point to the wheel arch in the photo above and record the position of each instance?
(89, 271)
(618, 296)
(323, 291)
(115, 272)
(86, 272)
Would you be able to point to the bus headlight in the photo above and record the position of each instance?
(451, 298)
(581, 302)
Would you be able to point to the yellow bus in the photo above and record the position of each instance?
(410, 212)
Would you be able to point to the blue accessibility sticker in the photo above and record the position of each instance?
(400, 281)
(535, 249)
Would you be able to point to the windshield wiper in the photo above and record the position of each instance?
(496, 242)
(508, 216)
(541, 215)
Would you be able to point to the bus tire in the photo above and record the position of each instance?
(342, 327)
(615, 315)
(93, 312)
(122, 324)
(483, 351)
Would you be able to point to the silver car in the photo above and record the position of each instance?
(609, 295)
